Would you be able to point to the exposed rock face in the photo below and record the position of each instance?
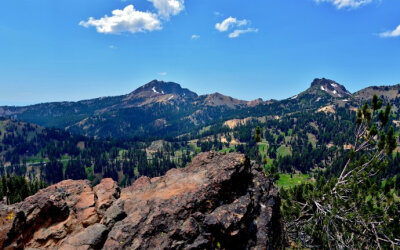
(218, 201)
(330, 87)
(218, 99)
(56, 215)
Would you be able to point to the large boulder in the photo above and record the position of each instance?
(54, 214)
(218, 201)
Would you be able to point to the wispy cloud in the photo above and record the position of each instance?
(237, 33)
(230, 22)
(342, 4)
(234, 23)
(112, 47)
(162, 73)
(195, 37)
(391, 33)
(126, 20)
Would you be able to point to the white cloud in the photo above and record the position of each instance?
(237, 33)
(163, 73)
(167, 8)
(391, 33)
(112, 47)
(230, 22)
(195, 37)
(126, 20)
(340, 4)
(235, 24)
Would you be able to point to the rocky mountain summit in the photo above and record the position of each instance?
(218, 201)
(158, 92)
(218, 99)
(163, 88)
(330, 87)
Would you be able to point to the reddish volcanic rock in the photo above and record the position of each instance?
(106, 192)
(54, 214)
(217, 201)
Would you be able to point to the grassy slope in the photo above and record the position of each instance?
(286, 181)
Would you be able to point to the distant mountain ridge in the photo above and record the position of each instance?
(385, 92)
(161, 108)
(153, 108)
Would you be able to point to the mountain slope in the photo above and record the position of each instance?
(23, 143)
(385, 92)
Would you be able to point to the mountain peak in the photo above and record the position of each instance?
(217, 99)
(158, 88)
(330, 87)
(322, 81)
(158, 83)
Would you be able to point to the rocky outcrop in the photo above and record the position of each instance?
(218, 201)
(56, 215)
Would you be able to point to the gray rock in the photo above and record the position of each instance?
(114, 213)
(92, 237)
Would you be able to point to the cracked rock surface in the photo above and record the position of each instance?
(218, 201)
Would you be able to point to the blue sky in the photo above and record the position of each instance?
(53, 51)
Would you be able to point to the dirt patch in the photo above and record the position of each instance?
(237, 122)
(327, 109)
(347, 146)
(81, 145)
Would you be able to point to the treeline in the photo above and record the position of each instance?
(123, 162)
(16, 188)
(55, 155)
